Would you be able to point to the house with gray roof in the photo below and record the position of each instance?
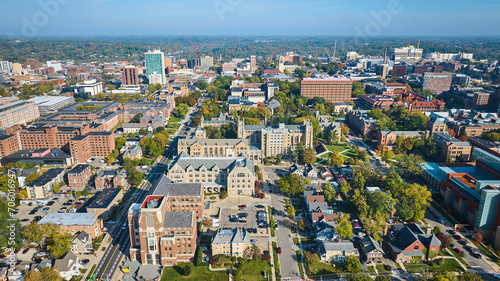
(231, 242)
(405, 241)
(337, 250)
(68, 266)
(81, 243)
(371, 251)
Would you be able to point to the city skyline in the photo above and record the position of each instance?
(256, 18)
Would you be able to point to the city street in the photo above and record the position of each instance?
(288, 262)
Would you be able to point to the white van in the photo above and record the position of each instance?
(215, 223)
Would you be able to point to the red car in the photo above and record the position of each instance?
(278, 250)
(457, 237)
(458, 250)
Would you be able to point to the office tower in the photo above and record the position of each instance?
(129, 76)
(406, 54)
(437, 82)
(155, 64)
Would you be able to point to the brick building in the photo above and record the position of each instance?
(111, 179)
(129, 76)
(163, 227)
(424, 106)
(18, 113)
(437, 82)
(94, 144)
(73, 223)
(332, 89)
(79, 176)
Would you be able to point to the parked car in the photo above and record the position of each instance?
(278, 250)
(46, 209)
(458, 250)
(124, 225)
(26, 250)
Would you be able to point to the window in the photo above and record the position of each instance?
(416, 247)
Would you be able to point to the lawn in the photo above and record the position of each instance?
(350, 153)
(384, 268)
(370, 269)
(174, 119)
(199, 273)
(459, 258)
(276, 262)
(448, 265)
(308, 240)
(338, 148)
(298, 253)
(253, 270)
(318, 267)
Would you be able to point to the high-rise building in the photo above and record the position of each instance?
(206, 62)
(5, 66)
(130, 76)
(437, 82)
(332, 89)
(155, 64)
(406, 54)
(382, 70)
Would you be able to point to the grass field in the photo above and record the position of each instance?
(448, 265)
(199, 273)
(383, 268)
(339, 148)
(253, 270)
(174, 119)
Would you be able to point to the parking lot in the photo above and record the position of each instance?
(251, 218)
(54, 205)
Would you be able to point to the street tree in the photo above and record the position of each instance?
(344, 227)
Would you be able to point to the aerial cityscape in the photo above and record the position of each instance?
(257, 141)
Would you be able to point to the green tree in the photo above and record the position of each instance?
(45, 274)
(336, 159)
(201, 84)
(299, 153)
(329, 193)
(309, 156)
(359, 201)
(291, 184)
(344, 187)
(358, 180)
(353, 265)
(188, 269)
(290, 211)
(59, 244)
(181, 110)
(344, 226)
(33, 233)
(278, 159)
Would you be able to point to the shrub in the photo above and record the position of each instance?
(188, 269)
(265, 257)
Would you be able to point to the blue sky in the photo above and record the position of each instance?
(250, 17)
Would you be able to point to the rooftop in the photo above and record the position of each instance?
(47, 177)
(104, 198)
(78, 169)
(164, 186)
(69, 219)
(178, 219)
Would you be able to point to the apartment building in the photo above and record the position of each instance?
(103, 202)
(332, 89)
(93, 144)
(8, 145)
(437, 82)
(79, 176)
(73, 223)
(235, 174)
(111, 179)
(159, 235)
(231, 242)
(18, 113)
(41, 188)
(129, 76)
(274, 140)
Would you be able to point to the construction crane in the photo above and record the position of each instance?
(195, 50)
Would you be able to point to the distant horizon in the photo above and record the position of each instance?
(360, 18)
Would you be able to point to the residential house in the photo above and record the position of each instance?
(68, 266)
(133, 152)
(81, 243)
(325, 173)
(408, 241)
(371, 250)
(325, 231)
(231, 242)
(297, 170)
(336, 251)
